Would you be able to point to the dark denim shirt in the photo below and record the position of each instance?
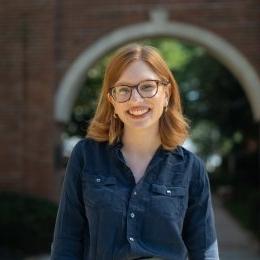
(103, 214)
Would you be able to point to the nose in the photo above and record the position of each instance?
(135, 95)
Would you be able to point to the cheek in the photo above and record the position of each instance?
(158, 103)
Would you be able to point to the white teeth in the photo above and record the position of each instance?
(138, 112)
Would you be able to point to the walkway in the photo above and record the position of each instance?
(235, 243)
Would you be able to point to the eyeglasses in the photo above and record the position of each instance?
(146, 89)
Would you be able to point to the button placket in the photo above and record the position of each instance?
(131, 225)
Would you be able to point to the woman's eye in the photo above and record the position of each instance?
(123, 90)
(147, 87)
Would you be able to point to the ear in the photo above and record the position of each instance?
(110, 99)
(167, 94)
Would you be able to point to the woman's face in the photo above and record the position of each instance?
(140, 112)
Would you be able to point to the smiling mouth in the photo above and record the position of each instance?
(138, 112)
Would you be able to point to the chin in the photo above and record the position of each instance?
(141, 125)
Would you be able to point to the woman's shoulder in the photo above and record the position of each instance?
(194, 163)
(190, 156)
(87, 144)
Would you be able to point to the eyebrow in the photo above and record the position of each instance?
(130, 85)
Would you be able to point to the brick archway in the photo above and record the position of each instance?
(157, 26)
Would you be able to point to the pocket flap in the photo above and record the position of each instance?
(168, 190)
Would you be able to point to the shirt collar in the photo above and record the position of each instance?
(178, 151)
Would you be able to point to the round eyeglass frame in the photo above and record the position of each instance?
(163, 82)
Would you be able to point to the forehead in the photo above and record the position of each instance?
(136, 72)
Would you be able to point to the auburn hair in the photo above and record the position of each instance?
(173, 126)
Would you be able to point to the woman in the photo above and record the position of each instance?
(131, 191)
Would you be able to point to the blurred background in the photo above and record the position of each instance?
(53, 56)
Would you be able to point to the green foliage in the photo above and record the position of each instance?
(176, 54)
(26, 223)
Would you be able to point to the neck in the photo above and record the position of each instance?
(142, 142)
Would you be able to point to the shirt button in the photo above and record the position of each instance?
(132, 215)
(98, 179)
(131, 239)
(135, 193)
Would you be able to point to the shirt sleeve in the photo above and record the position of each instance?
(199, 233)
(71, 232)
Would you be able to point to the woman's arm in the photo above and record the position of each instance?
(199, 232)
(71, 228)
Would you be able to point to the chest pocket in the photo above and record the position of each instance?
(167, 200)
(98, 190)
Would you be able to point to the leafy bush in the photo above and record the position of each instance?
(26, 223)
